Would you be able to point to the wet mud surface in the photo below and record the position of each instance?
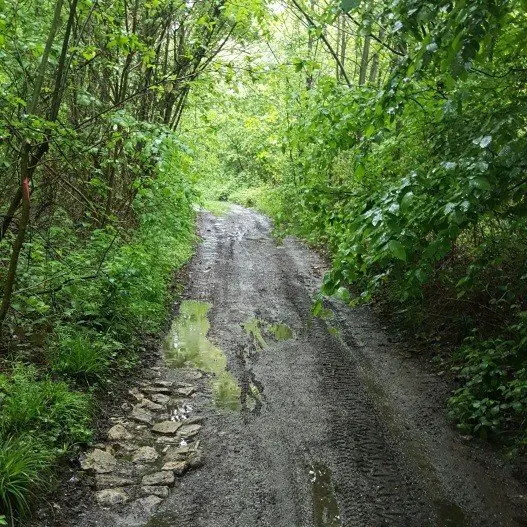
(333, 426)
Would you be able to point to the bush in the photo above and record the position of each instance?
(493, 398)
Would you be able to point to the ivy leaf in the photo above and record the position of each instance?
(397, 249)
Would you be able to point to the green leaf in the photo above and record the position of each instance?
(349, 5)
(397, 249)
(359, 171)
(406, 201)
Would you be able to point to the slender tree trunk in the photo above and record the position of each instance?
(29, 161)
(343, 43)
(25, 176)
(8, 218)
(375, 63)
(364, 60)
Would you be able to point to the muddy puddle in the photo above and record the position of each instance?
(325, 507)
(187, 345)
(261, 331)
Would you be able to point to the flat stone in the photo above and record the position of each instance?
(178, 467)
(186, 391)
(156, 389)
(141, 415)
(166, 427)
(160, 492)
(118, 433)
(136, 394)
(148, 504)
(146, 454)
(150, 405)
(177, 454)
(164, 477)
(189, 430)
(98, 461)
(160, 398)
(166, 440)
(164, 384)
(105, 481)
(193, 375)
(110, 497)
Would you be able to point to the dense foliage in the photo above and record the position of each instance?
(97, 202)
(403, 143)
(390, 133)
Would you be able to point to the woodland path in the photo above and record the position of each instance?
(345, 427)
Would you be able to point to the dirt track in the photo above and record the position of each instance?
(339, 426)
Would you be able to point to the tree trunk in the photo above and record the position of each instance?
(364, 61)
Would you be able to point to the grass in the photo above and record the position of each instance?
(22, 468)
(80, 354)
(217, 207)
(41, 418)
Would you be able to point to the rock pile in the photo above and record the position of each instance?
(149, 449)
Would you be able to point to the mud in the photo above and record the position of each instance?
(336, 426)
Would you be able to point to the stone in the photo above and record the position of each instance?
(136, 394)
(166, 427)
(149, 504)
(164, 384)
(141, 415)
(98, 461)
(160, 398)
(110, 497)
(150, 405)
(105, 481)
(177, 454)
(166, 440)
(178, 467)
(146, 454)
(194, 375)
(164, 477)
(118, 433)
(189, 430)
(186, 391)
(160, 492)
(156, 389)
(196, 460)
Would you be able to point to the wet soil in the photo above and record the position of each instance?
(336, 426)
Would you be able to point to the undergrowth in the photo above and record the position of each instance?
(106, 289)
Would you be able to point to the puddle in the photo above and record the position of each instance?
(258, 329)
(226, 391)
(325, 506)
(252, 328)
(449, 515)
(187, 343)
(281, 331)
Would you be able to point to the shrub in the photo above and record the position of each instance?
(493, 398)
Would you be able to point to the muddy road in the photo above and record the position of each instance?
(337, 425)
